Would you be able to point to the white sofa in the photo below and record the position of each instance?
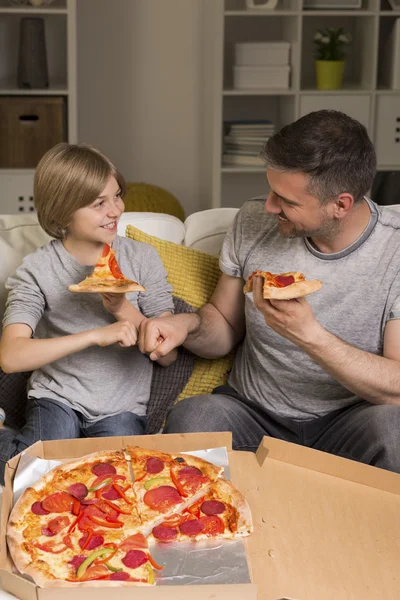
(21, 234)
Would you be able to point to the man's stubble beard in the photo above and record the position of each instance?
(328, 230)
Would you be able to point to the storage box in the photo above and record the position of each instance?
(261, 77)
(29, 126)
(262, 53)
(325, 528)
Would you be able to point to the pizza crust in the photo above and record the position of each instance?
(107, 287)
(292, 291)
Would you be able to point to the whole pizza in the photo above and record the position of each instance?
(92, 519)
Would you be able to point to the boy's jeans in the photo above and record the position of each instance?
(51, 420)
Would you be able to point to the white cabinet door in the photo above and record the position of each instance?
(356, 106)
(388, 130)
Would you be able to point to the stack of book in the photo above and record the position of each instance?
(243, 142)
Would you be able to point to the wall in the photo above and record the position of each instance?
(139, 89)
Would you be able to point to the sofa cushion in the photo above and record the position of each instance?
(193, 276)
(19, 235)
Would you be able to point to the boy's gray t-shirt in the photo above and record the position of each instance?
(97, 382)
(360, 293)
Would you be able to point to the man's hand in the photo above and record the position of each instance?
(292, 319)
(114, 302)
(157, 337)
(123, 332)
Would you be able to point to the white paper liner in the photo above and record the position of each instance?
(185, 563)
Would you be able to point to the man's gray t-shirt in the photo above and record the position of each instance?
(360, 293)
(97, 382)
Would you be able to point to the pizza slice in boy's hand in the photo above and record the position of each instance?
(107, 277)
(283, 286)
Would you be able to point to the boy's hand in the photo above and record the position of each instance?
(114, 302)
(123, 332)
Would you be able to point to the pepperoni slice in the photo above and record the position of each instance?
(47, 531)
(284, 280)
(111, 494)
(165, 534)
(188, 472)
(94, 542)
(212, 525)
(212, 507)
(134, 559)
(77, 561)
(136, 541)
(58, 502)
(119, 576)
(103, 469)
(192, 527)
(58, 524)
(78, 490)
(162, 498)
(38, 509)
(154, 465)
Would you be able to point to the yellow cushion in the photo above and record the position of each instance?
(193, 276)
(145, 197)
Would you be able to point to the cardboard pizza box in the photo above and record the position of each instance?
(325, 528)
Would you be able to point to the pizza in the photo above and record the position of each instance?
(284, 286)
(94, 519)
(107, 277)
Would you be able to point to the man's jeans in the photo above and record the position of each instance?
(365, 432)
(51, 420)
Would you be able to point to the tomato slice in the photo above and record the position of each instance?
(58, 524)
(212, 525)
(58, 502)
(114, 268)
(106, 251)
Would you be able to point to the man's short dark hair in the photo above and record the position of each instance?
(330, 147)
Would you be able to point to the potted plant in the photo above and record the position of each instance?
(330, 55)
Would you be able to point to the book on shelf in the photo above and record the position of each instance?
(238, 160)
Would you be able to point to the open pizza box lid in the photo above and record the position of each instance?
(324, 527)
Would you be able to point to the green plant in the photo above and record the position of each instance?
(330, 43)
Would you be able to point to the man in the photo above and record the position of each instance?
(322, 371)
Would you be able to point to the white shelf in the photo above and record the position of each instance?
(259, 92)
(60, 28)
(362, 96)
(33, 11)
(339, 13)
(261, 13)
(8, 88)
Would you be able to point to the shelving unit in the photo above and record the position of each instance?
(363, 96)
(60, 31)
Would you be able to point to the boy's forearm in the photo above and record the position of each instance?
(27, 354)
(129, 313)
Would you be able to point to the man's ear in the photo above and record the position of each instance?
(342, 205)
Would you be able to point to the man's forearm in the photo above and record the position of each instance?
(373, 378)
(210, 335)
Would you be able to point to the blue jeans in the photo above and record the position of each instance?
(51, 420)
(364, 432)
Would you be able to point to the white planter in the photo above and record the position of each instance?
(262, 53)
(261, 77)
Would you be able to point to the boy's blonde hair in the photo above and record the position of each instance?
(69, 177)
